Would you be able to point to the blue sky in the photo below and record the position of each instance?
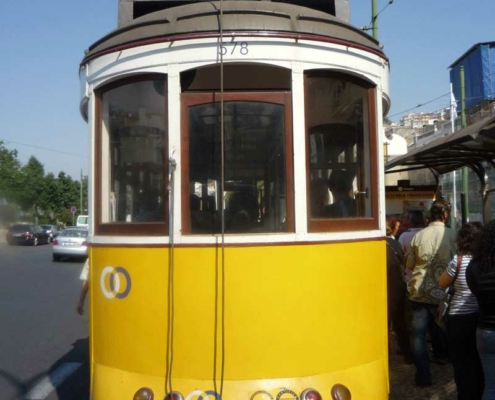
(42, 43)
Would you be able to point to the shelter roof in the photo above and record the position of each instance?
(464, 148)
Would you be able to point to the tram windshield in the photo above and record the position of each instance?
(255, 170)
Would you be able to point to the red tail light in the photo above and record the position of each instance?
(85, 243)
(55, 242)
(174, 396)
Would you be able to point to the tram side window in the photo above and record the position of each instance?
(255, 172)
(340, 148)
(133, 167)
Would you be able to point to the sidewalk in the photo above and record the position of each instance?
(402, 385)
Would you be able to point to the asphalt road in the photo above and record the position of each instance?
(43, 341)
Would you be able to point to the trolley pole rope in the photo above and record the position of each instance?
(222, 188)
(171, 262)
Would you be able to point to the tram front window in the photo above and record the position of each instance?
(132, 139)
(255, 168)
(341, 148)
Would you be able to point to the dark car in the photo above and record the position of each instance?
(27, 234)
(52, 231)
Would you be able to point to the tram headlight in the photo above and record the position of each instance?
(144, 394)
(311, 394)
(174, 396)
(340, 392)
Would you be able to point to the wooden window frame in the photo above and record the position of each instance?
(189, 99)
(346, 224)
(159, 228)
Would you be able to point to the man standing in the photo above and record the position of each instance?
(416, 222)
(431, 251)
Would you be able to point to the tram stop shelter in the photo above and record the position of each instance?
(468, 147)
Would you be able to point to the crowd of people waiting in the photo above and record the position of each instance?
(424, 258)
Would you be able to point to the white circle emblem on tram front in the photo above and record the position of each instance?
(114, 287)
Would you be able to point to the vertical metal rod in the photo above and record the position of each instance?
(374, 19)
(465, 178)
(222, 141)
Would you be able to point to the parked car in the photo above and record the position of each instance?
(71, 242)
(27, 234)
(52, 231)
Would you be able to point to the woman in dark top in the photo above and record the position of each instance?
(480, 276)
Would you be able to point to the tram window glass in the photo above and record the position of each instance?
(341, 152)
(132, 139)
(255, 189)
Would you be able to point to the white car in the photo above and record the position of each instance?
(82, 221)
(71, 242)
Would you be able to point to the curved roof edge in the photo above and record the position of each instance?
(242, 17)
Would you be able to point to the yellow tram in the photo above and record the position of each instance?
(236, 206)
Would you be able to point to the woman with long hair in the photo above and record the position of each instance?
(480, 276)
(463, 316)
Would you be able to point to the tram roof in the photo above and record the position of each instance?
(243, 17)
(463, 148)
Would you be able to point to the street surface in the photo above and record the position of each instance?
(43, 341)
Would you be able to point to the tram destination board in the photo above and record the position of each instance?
(143, 7)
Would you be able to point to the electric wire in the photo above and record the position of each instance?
(419, 105)
(374, 18)
(476, 82)
(431, 101)
(42, 148)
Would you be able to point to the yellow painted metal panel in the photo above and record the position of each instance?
(289, 311)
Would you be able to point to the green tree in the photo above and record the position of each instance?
(84, 209)
(48, 200)
(32, 183)
(9, 173)
(66, 196)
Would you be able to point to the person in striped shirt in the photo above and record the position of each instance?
(462, 317)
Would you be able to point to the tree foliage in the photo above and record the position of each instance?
(32, 183)
(41, 196)
(9, 173)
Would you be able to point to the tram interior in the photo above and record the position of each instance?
(339, 160)
(254, 148)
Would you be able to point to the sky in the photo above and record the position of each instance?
(43, 42)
